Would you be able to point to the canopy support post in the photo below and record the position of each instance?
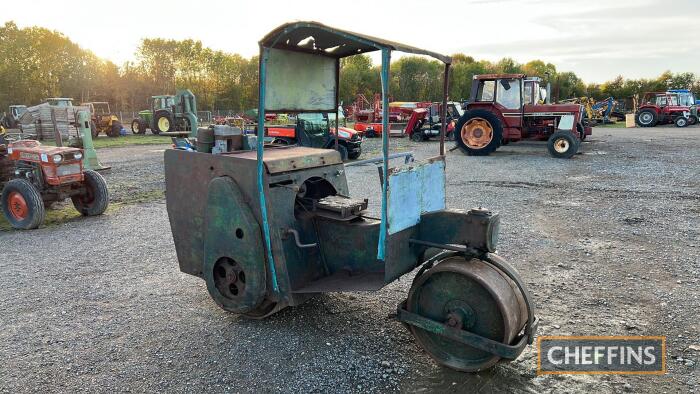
(264, 55)
(386, 60)
(443, 113)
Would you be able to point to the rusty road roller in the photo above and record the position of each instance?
(271, 226)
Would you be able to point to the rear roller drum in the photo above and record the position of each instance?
(470, 295)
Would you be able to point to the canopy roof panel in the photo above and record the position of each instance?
(317, 38)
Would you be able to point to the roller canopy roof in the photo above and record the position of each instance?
(333, 42)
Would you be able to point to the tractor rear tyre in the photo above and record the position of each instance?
(562, 145)
(95, 199)
(115, 130)
(692, 120)
(478, 132)
(647, 118)
(163, 123)
(681, 121)
(22, 205)
(417, 136)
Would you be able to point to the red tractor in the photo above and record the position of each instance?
(34, 176)
(511, 107)
(662, 108)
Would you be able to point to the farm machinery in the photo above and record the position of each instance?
(314, 130)
(268, 228)
(102, 119)
(507, 108)
(687, 98)
(33, 176)
(425, 121)
(169, 114)
(662, 108)
(11, 118)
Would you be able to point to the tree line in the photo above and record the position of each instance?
(38, 63)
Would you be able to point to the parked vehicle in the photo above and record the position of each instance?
(662, 108)
(11, 118)
(687, 98)
(41, 175)
(506, 108)
(424, 123)
(169, 114)
(314, 130)
(102, 120)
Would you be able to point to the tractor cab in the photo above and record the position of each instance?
(16, 111)
(533, 92)
(99, 108)
(166, 102)
(686, 98)
(60, 101)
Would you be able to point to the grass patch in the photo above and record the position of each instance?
(130, 140)
(63, 213)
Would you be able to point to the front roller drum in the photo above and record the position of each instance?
(466, 300)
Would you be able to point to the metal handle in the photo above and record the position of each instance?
(300, 245)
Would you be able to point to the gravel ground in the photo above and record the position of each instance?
(608, 243)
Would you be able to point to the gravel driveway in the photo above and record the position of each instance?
(608, 243)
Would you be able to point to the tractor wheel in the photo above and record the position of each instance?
(470, 295)
(562, 144)
(94, 130)
(355, 154)
(163, 123)
(138, 126)
(479, 132)
(417, 136)
(115, 130)
(692, 120)
(96, 197)
(647, 118)
(681, 121)
(370, 133)
(22, 205)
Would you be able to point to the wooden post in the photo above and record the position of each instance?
(56, 131)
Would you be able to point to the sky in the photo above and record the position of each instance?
(597, 39)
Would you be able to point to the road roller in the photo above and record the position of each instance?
(269, 227)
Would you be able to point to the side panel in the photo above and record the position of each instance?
(414, 190)
(233, 232)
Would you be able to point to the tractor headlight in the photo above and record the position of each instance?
(78, 156)
(492, 231)
(57, 158)
(488, 224)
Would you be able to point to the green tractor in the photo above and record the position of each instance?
(169, 114)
